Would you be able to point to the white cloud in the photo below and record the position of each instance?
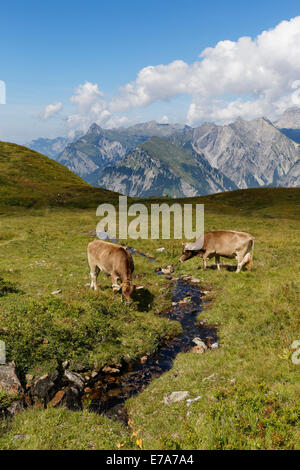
(248, 77)
(51, 110)
(91, 107)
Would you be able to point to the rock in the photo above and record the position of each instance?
(198, 349)
(65, 364)
(195, 280)
(19, 436)
(175, 397)
(9, 381)
(167, 270)
(74, 379)
(214, 346)
(110, 370)
(160, 249)
(45, 387)
(69, 398)
(198, 341)
(15, 407)
(58, 291)
(143, 359)
(208, 378)
(192, 400)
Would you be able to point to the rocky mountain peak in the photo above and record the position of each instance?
(95, 129)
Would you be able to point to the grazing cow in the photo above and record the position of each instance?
(113, 260)
(226, 243)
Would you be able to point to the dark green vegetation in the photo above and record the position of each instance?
(29, 179)
(249, 386)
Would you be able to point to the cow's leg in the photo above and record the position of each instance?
(94, 273)
(217, 258)
(205, 257)
(239, 258)
(115, 284)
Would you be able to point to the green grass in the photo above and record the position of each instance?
(249, 386)
(59, 429)
(29, 179)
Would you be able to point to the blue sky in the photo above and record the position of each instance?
(49, 49)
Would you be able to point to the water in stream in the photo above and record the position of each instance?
(111, 391)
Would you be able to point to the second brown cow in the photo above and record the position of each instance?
(225, 243)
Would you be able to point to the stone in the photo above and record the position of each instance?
(198, 341)
(15, 407)
(160, 249)
(192, 400)
(195, 280)
(46, 387)
(214, 346)
(19, 436)
(110, 370)
(75, 379)
(58, 291)
(69, 398)
(9, 381)
(175, 397)
(143, 359)
(198, 349)
(167, 270)
(208, 378)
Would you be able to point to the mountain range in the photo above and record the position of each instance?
(153, 159)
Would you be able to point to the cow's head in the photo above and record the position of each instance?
(128, 290)
(186, 253)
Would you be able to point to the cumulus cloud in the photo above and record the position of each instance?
(92, 107)
(51, 110)
(249, 77)
(257, 74)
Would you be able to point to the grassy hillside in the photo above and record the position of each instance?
(249, 386)
(28, 179)
(263, 202)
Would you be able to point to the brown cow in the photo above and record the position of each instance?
(113, 260)
(226, 243)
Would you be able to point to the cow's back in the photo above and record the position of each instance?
(111, 258)
(226, 242)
